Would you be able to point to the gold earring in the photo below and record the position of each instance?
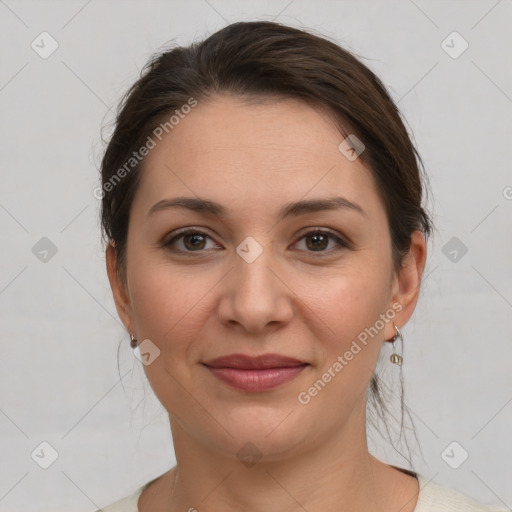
(133, 341)
(396, 358)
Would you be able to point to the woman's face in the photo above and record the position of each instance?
(257, 277)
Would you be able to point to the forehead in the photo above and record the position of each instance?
(267, 130)
(238, 153)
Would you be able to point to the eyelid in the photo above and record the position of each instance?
(167, 241)
(185, 231)
(342, 239)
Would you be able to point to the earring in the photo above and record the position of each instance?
(395, 358)
(133, 341)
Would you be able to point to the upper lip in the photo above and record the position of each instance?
(245, 362)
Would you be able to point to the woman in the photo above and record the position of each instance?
(262, 206)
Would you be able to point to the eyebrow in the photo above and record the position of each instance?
(200, 205)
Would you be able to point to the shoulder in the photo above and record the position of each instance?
(436, 498)
(431, 498)
(128, 504)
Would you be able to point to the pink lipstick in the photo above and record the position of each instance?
(260, 373)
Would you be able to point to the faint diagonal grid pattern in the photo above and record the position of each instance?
(60, 330)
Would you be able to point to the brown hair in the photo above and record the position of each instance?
(266, 59)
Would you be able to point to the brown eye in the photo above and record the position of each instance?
(317, 242)
(194, 242)
(190, 240)
(322, 241)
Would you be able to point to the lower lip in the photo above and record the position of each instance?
(256, 380)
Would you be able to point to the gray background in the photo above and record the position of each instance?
(60, 334)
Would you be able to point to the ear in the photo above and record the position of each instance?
(119, 289)
(407, 283)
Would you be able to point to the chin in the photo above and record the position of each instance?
(271, 433)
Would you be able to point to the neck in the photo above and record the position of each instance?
(317, 475)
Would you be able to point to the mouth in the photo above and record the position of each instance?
(260, 373)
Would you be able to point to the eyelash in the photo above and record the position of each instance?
(192, 231)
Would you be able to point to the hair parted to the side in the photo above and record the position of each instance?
(269, 60)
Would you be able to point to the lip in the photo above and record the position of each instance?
(259, 373)
(245, 362)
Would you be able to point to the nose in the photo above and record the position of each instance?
(255, 295)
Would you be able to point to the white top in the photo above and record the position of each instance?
(431, 498)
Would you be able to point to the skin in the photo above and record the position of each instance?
(292, 300)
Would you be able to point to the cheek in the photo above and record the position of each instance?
(347, 300)
(164, 299)
(349, 305)
(172, 307)
(169, 310)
